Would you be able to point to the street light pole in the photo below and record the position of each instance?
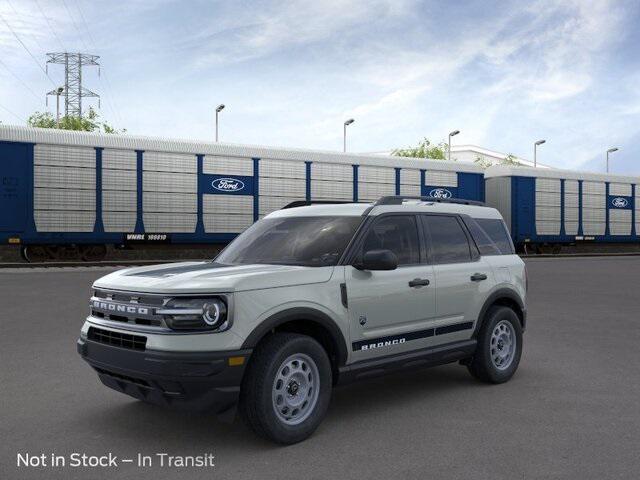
(535, 152)
(59, 90)
(452, 134)
(219, 108)
(611, 150)
(344, 135)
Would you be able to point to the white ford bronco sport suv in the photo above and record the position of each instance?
(310, 297)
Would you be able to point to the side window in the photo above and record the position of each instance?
(483, 242)
(397, 233)
(447, 241)
(497, 231)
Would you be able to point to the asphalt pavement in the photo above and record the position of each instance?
(571, 411)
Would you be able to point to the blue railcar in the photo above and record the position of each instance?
(548, 208)
(87, 190)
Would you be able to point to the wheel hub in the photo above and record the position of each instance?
(503, 345)
(295, 389)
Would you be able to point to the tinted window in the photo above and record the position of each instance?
(483, 242)
(497, 231)
(396, 233)
(308, 241)
(447, 241)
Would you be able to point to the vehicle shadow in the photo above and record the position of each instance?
(370, 397)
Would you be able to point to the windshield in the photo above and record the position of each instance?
(306, 241)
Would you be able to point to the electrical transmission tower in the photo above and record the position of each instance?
(74, 92)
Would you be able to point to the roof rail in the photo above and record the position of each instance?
(307, 203)
(398, 199)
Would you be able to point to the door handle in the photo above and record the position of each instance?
(478, 277)
(418, 282)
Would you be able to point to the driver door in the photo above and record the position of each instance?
(390, 311)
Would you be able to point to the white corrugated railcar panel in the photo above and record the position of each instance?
(620, 189)
(119, 221)
(119, 159)
(282, 169)
(271, 204)
(409, 176)
(571, 186)
(63, 199)
(226, 223)
(571, 228)
(620, 222)
(169, 202)
(119, 201)
(169, 222)
(413, 190)
(73, 178)
(368, 174)
(594, 214)
(283, 187)
(547, 185)
(441, 178)
(571, 200)
(594, 201)
(169, 182)
(217, 165)
(331, 190)
(594, 187)
(332, 171)
(548, 199)
(593, 228)
(547, 213)
(571, 214)
(547, 228)
(119, 180)
(64, 156)
(373, 191)
(64, 221)
(216, 204)
(169, 162)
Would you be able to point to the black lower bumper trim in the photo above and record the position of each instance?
(193, 380)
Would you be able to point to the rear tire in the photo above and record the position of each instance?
(286, 389)
(499, 346)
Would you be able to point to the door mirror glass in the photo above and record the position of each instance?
(378, 260)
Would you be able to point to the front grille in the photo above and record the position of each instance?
(117, 339)
(131, 308)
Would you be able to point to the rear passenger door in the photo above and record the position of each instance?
(462, 277)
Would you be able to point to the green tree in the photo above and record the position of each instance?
(90, 122)
(510, 159)
(424, 149)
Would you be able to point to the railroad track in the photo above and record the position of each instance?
(133, 263)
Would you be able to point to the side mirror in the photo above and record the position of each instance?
(378, 260)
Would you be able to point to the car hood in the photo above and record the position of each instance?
(208, 277)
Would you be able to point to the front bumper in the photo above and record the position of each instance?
(193, 380)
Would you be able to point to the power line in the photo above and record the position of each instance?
(27, 49)
(18, 15)
(20, 80)
(110, 97)
(12, 113)
(75, 25)
(53, 30)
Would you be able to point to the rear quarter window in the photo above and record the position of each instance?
(491, 236)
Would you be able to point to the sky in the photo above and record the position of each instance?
(504, 73)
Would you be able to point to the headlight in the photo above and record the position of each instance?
(196, 314)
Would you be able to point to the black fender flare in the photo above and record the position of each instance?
(502, 293)
(305, 314)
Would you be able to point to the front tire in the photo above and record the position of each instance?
(499, 346)
(286, 390)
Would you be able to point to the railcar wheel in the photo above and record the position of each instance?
(93, 253)
(35, 253)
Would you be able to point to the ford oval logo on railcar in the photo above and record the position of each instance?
(620, 202)
(228, 184)
(440, 193)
